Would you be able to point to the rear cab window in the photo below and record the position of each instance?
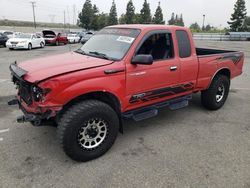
(183, 44)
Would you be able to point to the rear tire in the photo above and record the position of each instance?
(215, 96)
(42, 45)
(88, 129)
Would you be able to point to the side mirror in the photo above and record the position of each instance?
(142, 59)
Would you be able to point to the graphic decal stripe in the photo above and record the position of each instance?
(234, 57)
(159, 93)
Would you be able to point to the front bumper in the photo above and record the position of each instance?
(34, 118)
(17, 46)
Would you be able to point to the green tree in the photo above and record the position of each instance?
(122, 19)
(145, 16)
(113, 15)
(158, 17)
(208, 27)
(130, 13)
(238, 17)
(95, 18)
(246, 24)
(172, 20)
(137, 18)
(86, 16)
(102, 20)
(195, 27)
(181, 21)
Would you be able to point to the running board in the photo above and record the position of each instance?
(152, 111)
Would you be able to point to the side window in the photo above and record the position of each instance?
(183, 44)
(159, 45)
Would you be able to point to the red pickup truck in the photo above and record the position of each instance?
(124, 71)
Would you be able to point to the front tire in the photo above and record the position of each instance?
(215, 96)
(29, 46)
(88, 130)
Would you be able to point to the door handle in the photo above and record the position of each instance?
(173, 68)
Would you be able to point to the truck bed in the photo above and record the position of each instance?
(207, 51)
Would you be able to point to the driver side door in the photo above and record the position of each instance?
(147, 83)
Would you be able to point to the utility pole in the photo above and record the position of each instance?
(68, 16)
(33, 4)
(203, 24)
(74, 14)
(64, 24)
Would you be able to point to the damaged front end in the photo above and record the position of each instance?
(29, 98)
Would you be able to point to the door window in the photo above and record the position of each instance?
(159, 45)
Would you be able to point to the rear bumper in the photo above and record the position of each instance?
(50, 41)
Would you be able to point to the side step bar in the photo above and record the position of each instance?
(152, 111)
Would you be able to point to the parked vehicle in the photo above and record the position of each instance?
(73, 38)
(81, 34)
(3, 39)
(86, 37)
(9, 34)
(124, 71)
(54, 38)
(25, 41)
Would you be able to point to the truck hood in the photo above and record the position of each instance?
(44, 68)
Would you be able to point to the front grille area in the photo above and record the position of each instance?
(24, 87)
(25, 93)
(13, 42)
(24, 90)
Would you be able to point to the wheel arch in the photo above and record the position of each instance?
(222, 71)
(106, 97)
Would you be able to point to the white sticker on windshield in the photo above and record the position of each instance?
(125, 39)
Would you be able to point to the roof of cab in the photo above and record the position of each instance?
(146, 26)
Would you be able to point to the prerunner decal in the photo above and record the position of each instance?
(159, 93)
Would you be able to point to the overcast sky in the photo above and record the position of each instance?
(217, 11)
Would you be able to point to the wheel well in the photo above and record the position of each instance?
(105, 97)
(225, 72)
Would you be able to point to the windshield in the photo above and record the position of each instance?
(25, 36)
(111, 42)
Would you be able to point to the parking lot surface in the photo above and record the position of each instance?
(191, 147)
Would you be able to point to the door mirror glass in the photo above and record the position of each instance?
(142, 59)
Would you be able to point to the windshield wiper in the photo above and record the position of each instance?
(101, 55)
(80, 51)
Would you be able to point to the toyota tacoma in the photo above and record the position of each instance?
(124, 71)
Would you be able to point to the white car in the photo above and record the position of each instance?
(73, 38)
(9, 34)
(25, 41)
